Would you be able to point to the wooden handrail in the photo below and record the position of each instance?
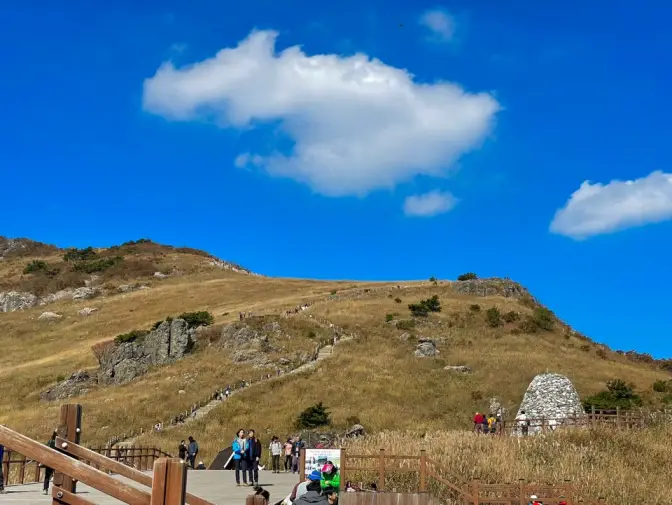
(76, 469)
(119, 468)
(62, 496)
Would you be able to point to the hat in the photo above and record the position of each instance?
(533, 497)
(328, 468)
(315, 475)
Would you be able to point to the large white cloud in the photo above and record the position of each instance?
(595, 209)
(429, 204)
(357, 124)
(440, 24)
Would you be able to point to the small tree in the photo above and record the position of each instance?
(660, 386)
(511, 316)
(619, 394)
(35, 266)
(423, 308)
(194, 319)
(313, 417)
(469, 276)
(433, 280)
(493, 317)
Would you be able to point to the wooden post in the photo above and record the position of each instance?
(381, 470)
(344, 470)
(569, 492)
(70, 428)
(476, 491)
(169, 484)
(521, 492)
(423, 471)
(618, 417)
(5, 466)
(22, 470)
(592, 416)
(302, 465)
(37, 472)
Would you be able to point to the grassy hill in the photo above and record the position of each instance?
(493, 326)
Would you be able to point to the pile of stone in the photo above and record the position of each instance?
(426, 348)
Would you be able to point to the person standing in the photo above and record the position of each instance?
(296, 454)
(192, 452)
(48, 472)
(239, 447)
(182, 450)
(276, 450)
(288, 454)
(253, 457)
(523, 423)
(2, 477)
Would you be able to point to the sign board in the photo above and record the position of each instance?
(316, 459)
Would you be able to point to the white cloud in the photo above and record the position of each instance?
(245, 160)
(439, 23)
(595, 209)
(429, 204)
(357, 124)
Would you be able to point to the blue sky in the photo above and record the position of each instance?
(452, 151)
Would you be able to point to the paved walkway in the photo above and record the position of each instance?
(217, 486)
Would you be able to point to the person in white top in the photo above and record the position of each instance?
(523, 423)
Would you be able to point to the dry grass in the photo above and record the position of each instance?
(627, 468)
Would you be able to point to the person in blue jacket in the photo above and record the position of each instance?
(239, 447)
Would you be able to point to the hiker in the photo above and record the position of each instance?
(276, 450)
(296, 454)
(288, 454)
(182, 450)
(330, 476)
(313, 495)
(200, 466)
(2, 477)
(534, 500)
(485, 428)
(48, 472)
(239, 447)
(478, 422)
(192, 451)
(523, 423)
(302, 487)
(253, 456)
(492, 424)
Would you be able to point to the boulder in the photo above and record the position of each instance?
(170, 341)
(14, 300)
(458, 368)
(63, 294)
(160, 275)
(78, 383)
(240, 334)
(87, 311)
(249, 356)
(49, 316)
(356, 430)
(426, 349)
(551, 396)
(85, 293)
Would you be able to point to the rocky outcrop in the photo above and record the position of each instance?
(242, 335)
(550, 396)
(49, 316)
(87, 311)
(15, 300)
(457, 368)
(490, 287)
(169, 342)
(128, 288)
(356, 430)
(426, 349)
(79, 383)
(83, 293)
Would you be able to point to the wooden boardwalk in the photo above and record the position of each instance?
(217, 486)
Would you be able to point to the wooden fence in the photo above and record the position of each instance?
(17, 469)
(168, 483)
(421, 474)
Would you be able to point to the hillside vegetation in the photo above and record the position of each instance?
(492, 326)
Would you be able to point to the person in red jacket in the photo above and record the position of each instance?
(478, 422)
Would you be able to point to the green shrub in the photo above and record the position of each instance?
(333, 292)
(131, 336)
(313, 417)
(476, 395)
(619, 394)
(405, 324)
(493, 317)
(511, 316)
(425, 306)
(74, 254)
(433, 280)
(601, 353)
(660, 386)
(389, 317)
(194, 319)
(99, 265)
(475, 307)
(469, 276)
(397, 300)
(35, 266)
(60, 378)
(544, 318)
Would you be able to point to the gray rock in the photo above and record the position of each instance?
(78, 383)
(458, 368)
(63, 294)
(426, 350)
(160, 275)
(404, 337)
(490, 287)
(249, 356)
(49, 316)
(15, 300)
(356, 430)
(551, 396)
(240, 334)
(87, 311)
(170, 341)
(85, 293)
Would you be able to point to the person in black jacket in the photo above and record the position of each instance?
(182, 450)
(253, 457)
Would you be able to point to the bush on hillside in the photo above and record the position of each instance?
(405, 324)
(433, 280)
(95, 266)
(351, 420)
(493, 317)
(74, 254)
(397, 300)
(158, 323)
(619, 394)
(511, 316)
(541, 319)
(35, 266)
(469, 276)
(131, 336)
(661, 386)
(194, 319)
(136, 242)
(475, 307)
(389, 317)
(313, 417)
(425, 306)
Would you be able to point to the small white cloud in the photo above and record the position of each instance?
(429, 204)
(357, 124)
(245, 160)
(440, 23)
(595, 209)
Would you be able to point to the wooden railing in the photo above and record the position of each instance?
(420, 474)
(69, 461)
